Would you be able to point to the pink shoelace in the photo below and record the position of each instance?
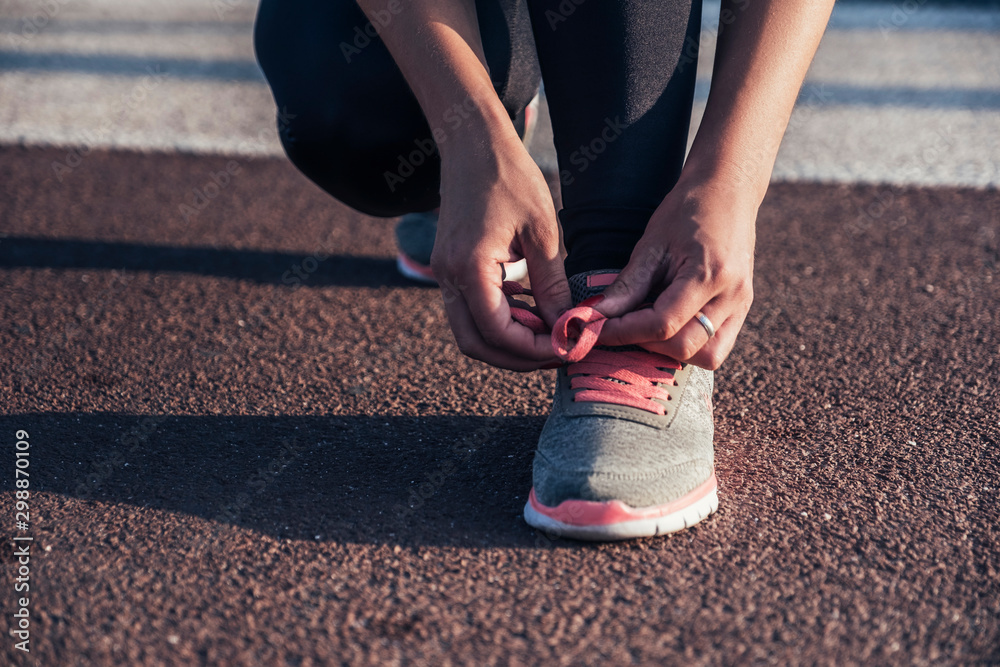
(626, 377)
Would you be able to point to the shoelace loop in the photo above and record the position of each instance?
(520, 311)
(622, 377)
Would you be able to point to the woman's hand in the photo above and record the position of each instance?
(496, 208)
(698, 246)
(696, 255)
(495, 204)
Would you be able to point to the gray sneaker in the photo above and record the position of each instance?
(415, 238)
(627, 451)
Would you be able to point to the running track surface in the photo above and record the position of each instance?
(229, 469)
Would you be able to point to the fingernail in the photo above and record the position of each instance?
(592, 301)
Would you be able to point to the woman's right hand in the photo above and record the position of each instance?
(496, 208)
(495, 205)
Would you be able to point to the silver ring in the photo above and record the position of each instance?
(705, 322)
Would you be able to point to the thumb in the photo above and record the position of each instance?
(548, 278)
(631, 288)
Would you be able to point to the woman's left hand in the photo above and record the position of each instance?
(696, 256)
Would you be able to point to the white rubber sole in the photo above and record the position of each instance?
(626, 530)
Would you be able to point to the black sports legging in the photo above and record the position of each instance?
(619, 80)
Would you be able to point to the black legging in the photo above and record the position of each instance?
(619, 81)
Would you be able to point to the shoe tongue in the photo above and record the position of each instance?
(584, 285)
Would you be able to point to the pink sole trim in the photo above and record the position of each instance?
(530, 112)
(412, 269)
(593, 513)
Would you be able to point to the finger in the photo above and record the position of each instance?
(548, 276)
(645, 268)
(471, 343)
(527, 315)
(490, 313)
(717, 350)
(672, 311)
(691, 338)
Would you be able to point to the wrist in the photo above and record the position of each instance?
(474, 125)
(721, 185)
(741, 179)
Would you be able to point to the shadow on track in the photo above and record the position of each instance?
(440, 480)
(254, 265)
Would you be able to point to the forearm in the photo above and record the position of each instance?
(761, 60)
(438, 48)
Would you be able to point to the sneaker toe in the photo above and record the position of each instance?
(554, 485)
(612, 459)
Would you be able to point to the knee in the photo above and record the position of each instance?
(356, 131)
(364, 167)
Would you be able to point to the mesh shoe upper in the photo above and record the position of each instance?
(415, 235)
(626, 424)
